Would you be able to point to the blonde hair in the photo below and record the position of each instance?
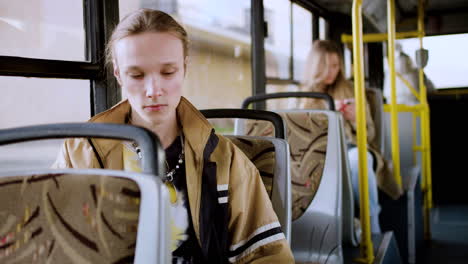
(317, 63)
(145, 20)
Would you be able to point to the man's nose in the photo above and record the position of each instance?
(153, 88)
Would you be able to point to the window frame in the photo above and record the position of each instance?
(100, 18)
(316, 12)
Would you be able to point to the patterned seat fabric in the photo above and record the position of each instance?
(307, 137)
(64, 218)
(262, 154)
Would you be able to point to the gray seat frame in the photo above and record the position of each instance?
(153, 238)
(317, 234)
(332, 209)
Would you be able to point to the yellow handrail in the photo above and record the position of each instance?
(379, 37)
(393, 99)
(367, 252)
(416, 148)
(407, 83)
(403, 108)
(425, 133)
(421, 109)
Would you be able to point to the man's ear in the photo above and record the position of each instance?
(186, 62)
(117, 72)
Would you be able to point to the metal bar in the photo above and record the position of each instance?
(315, 27)
(393, 100)
(376, 65)
(429, 165)
(28, 67)
(100, 19)
(408, 84)
(425, 133)
(380, 37)
(415, 141)
(418, 148)
(263, 97)
(257, 31)
(403, 108)
(279, 81)
(367, 253)
(274, 118)
(312, 6)
(153, 155)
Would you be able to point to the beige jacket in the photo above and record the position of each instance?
(251, 232)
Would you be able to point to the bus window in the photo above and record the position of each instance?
(33, 101)
(322, 28)
(45, 29)
(278, 42)
(446, 67)
(302, 39)
(219, 32)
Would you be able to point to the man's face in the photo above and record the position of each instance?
(150, 67)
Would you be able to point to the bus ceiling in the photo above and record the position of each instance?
(442, 16)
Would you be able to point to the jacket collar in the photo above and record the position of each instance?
(189, 117)
(195, 127)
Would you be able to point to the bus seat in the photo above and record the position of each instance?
(317, 180)
(83, 216)
(351, 233)
(375, 99)
(270, 156)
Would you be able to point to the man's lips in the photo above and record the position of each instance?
(155, 107)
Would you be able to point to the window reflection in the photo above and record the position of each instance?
(46, 29)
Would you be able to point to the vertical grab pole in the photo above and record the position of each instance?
(367, 253)
(393, 101)
(425, 133)
(415, 140)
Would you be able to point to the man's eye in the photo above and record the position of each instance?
(168, 72)
(136, 76)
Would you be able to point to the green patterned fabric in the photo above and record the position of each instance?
(307, 135)
(64, 218)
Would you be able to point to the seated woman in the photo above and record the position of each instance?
(324, 73)
(220, 210)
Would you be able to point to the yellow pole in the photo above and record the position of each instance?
(379, 37)
(415, 141)
(429, 166)
(425, 133)
(393, 102)
(408, 84)
(403, 108)
(367, 252)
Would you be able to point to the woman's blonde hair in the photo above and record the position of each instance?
(145, 20)
(317, 65)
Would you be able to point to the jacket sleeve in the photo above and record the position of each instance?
(256, 235)
(63, 158)
(76, 153)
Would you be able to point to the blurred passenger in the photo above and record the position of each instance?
(405, 67)
(324, 73)
(220, 210)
